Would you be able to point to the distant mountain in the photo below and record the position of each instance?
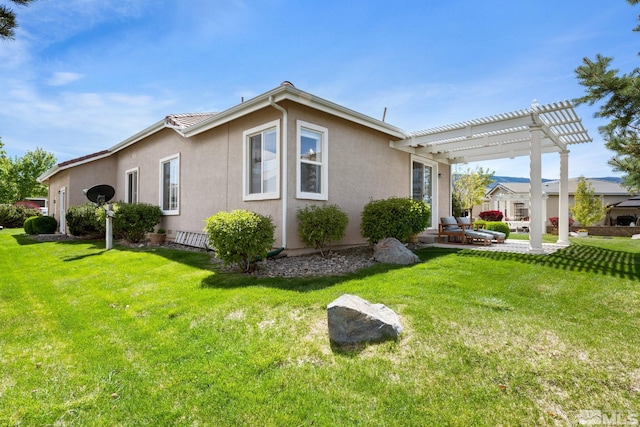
(501, 179)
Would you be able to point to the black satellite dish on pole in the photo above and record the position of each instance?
(101, 194)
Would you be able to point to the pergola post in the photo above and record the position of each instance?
(563, 200)
(535, 191)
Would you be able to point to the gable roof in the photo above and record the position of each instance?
(190, 124)
(183, 121)
(601, 187)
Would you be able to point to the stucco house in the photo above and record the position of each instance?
(286, 149)
(512, 198)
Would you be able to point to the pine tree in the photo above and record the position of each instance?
(587, 209)
(621, 96)
(8, 21)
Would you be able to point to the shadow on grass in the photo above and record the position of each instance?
(580, 258)
(24, 239)
(309, 284)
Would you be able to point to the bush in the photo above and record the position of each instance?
(84, 220)
(40, 225)
(15, 216)
(133, 221)
(495, 226)
(491, 215)
(320, 225)
(240, 236)
(394, 217)
(29, 204)
(45, 225)
(29, 226)
(554, 221)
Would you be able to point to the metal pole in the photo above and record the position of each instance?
(109, 236)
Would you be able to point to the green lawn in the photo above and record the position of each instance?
(159, 337)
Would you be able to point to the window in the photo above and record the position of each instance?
(422, 185)
(131, 189)
(521, 211)
(170, 185)
(312, 167)
(262, 162)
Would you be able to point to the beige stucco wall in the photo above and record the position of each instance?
(77, 179)
(361, 167)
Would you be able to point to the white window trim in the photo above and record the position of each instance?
(324, 165)
(126, 182)
(435, 184)
(246, 196)
(161, 183)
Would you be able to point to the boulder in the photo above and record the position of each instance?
(392, 251)
(353, 320)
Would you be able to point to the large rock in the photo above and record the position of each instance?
(392, 251)
(352, 320)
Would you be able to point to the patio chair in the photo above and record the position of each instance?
(498, 236)
(449, 227)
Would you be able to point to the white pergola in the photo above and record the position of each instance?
(530, 132)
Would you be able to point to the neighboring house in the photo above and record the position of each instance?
(512, 198)
(287, 149)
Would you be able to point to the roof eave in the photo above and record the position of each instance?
(286, 92)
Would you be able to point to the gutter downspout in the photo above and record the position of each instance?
(285, 164)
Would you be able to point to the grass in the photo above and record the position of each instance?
(159, 337)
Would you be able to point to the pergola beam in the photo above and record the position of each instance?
(532, 132)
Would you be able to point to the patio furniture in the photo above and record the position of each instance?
(498, 236)
(461, 233)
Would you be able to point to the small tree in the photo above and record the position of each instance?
(320, 225)
(240, 236)
(588, 209)
(470, 187)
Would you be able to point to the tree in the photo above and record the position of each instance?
(470, 187)
(621, 96)
(19, 176)
(8, 21)
(587, 209)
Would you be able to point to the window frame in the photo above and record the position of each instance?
(435, 176)
(324, 163)
(127, 174)
(246, 162)
(162, 161)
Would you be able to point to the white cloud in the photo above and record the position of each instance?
(63, 78)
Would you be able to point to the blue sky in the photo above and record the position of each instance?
(83, 75)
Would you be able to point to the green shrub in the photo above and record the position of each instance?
(394, 217)
(495, 226)
(318, 226)
(240, 236)
(40, 225)
(28, 225)
(84, 220)
(45, 225)
(133, 220)
(15, 216)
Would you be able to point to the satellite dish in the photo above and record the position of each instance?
(100, 194)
